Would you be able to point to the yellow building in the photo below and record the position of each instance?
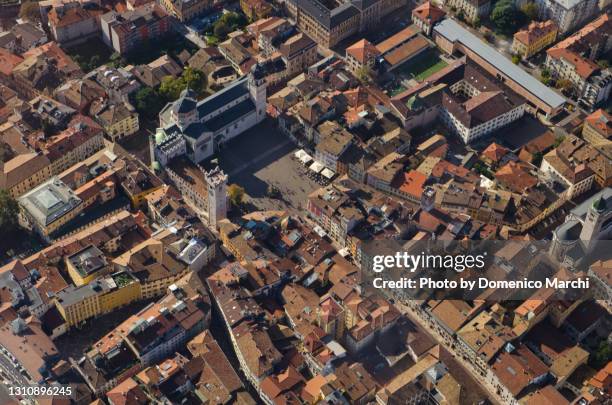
(536, 37)
(138, 182)
(185, 10)
(78, 304)
(24, 172)
(48, 207)
(86, 265)
(597, 129)
(255, 9)
(118, 120)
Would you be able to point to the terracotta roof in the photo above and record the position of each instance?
(397, 39)
(407, 50)
(572, 48)
(8, 61)
(495, 152)
(601, 122)
(413, 183)
(127, 393)
(428, 13)
(516, 177)
(535, 31)
(362, 50)
(546, 396)
(518, 369)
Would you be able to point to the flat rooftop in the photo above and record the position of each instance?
(453, 31)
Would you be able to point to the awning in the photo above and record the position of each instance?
(317, 167)
(305, 159)
(327, 173)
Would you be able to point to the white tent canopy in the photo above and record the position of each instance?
(317, 167)
(300, 153)
(327, 173)
(305, 159)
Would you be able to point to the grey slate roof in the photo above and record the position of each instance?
(327, 18)
(235, 90)
(453, 31)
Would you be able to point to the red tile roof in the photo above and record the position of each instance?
(362, 50)
(428, 13)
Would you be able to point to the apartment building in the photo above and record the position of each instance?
(329, 24)
(537, 36)
(81, 139)
(101, 296)
(125, 31)
(567, 14)
(361, 55)
(185, 10)
(256, 9)
(158, 330)
(72, 25)
(574, 59)
(472, 9)
(597, 131)
(569, 164)
(426, 16)
(298, 52)
(118, 120)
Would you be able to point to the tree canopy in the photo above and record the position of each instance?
(506, 17)
(235, 194)
(228, 22)
(9, 211)
(530, 10)
(170, 87)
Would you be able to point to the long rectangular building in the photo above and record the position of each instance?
(452, 37)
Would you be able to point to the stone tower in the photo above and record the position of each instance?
(216, 180)
(596, 215)
(257, 89)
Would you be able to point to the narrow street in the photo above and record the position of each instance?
(452, 355)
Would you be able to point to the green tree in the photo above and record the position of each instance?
(9, 212)
(364, 74)
(194, 79)
(221, 30)
(235, 194)
(516, 59)
(148, 102)
(603, 63)
(601, 356)
(558, 141)
(505, 16)
(537, 158)
(563, 84)
(171, 88)
(530, 10)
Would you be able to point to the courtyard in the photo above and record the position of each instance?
(260, 157)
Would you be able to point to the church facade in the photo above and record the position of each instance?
(198, 129)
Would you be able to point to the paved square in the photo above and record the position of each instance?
(263, 156)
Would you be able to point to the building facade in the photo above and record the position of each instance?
(209, 123)
(536, 37)
(125, 31)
